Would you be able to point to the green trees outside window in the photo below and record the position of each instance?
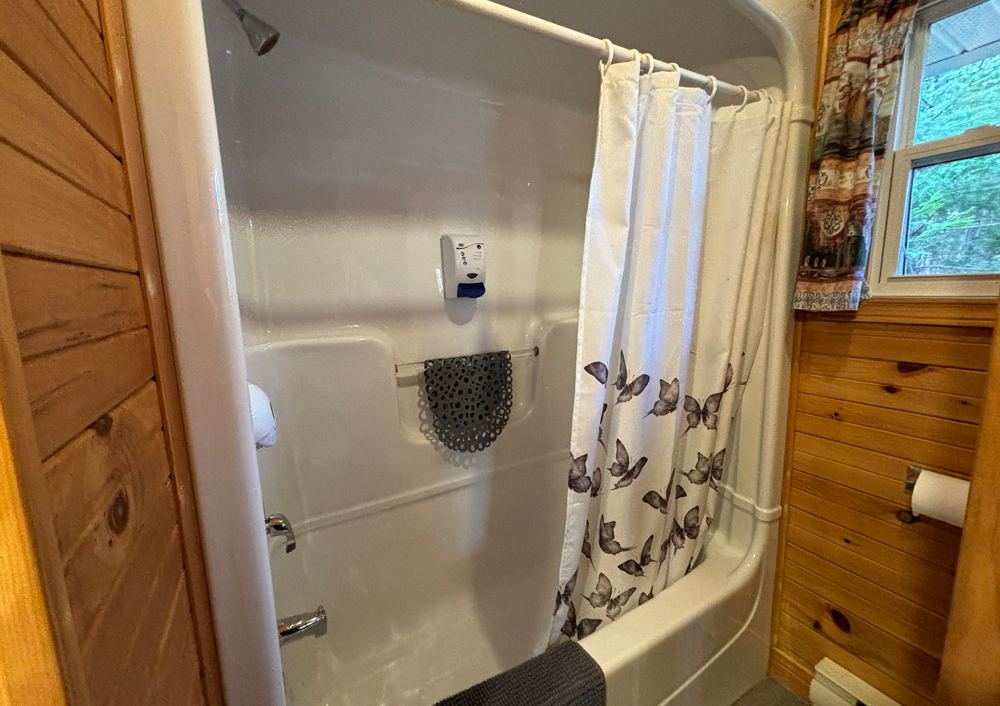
(953, 225)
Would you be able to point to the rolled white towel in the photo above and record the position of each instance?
(265, 432)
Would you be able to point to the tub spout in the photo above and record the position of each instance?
(297, 626)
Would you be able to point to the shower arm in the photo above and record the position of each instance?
(572, 37)
(234, 6)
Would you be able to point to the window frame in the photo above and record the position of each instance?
(900, 160)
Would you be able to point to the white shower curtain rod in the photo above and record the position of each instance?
(598, 46)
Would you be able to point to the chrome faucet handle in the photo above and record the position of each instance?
(277, 525)
(300, 625)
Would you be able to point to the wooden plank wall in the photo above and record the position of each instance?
(862, 582)
(859, 580)
(88, 385)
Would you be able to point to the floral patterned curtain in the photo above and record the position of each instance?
(677, 262)
(859, 93)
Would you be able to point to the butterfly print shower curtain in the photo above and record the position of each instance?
(680, 241)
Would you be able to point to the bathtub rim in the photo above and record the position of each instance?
(621, 647)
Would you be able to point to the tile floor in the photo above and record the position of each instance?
(770, 693)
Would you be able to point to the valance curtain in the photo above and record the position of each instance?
(859, 93)
(680, 241)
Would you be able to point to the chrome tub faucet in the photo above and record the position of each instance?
(277, 525)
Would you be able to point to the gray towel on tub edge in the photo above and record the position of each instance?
(562, 676)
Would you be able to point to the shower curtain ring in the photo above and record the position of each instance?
(746, 98)
(673, 66)
(609, 49)
(715, 87)
(648, 56)
(764, 95)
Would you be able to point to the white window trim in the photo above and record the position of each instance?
(896, 168)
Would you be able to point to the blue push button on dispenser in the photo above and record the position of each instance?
(473, 290)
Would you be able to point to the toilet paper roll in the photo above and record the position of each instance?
(265, 431)
(941, 497)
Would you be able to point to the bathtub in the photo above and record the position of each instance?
(704, 640)
(437, 569)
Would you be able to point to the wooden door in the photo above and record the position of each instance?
(94, 472)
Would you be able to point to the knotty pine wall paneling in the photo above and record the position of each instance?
(87, 381)
(861, 581)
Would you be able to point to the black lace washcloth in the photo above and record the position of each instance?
(469, 397)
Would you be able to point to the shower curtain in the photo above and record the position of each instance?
(680, 240)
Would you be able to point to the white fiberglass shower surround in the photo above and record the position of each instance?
(370, 130)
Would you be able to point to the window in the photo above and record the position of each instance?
(938, 232)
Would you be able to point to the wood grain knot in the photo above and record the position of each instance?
(102, 427)
(891, 389)
(905, 516)
(118, 513)
(907, 368)
(840, 620)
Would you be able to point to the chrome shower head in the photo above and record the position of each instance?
(262, 36)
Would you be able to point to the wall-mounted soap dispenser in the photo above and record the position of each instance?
(463, 264)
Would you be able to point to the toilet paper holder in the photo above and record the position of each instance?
(912, 473)
(939, 496)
